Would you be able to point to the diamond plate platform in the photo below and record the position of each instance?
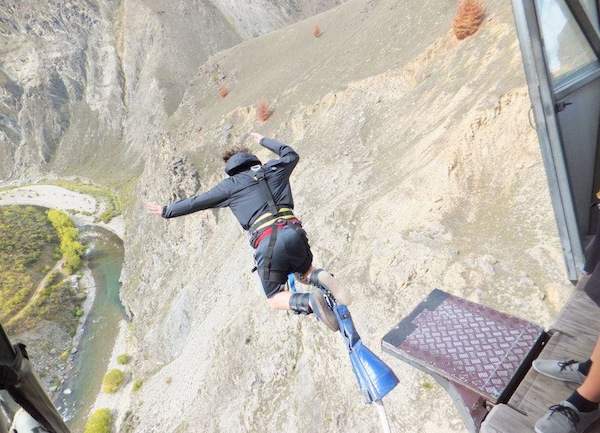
(573, 336)
(477, 353)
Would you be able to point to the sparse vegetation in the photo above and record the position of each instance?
(71, 248)
(263, 111)
(65, 355)
(317, 31)
(113, 209)
(426, 385)
(137, 384)
(55, 302)
(114, 206)
(27, 243)
(469, 17)
(7, 188)
(168, 380)
(126, 192)
(223, 91)
(129, 423)
(113, 380)
(100, 421)
(78, 312)
(123, 359)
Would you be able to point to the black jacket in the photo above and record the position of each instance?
(241, 192)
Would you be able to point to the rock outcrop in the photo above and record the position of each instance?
(85, 85)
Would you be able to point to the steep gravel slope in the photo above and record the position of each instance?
(419, 170)
(85, 84)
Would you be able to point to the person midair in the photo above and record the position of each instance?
(260, 197)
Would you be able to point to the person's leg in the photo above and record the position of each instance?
(590, 390)
(320, 277)
(300, 260)
(304, 303)
(567, 371)
(299, 303)
(277, 297)
(592, 255)
(580, 410)
(280, 301)
(291, 252)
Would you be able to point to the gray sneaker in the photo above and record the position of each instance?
(560, 370)
(565, 418)
(322, 311)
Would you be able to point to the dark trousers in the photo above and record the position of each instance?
(592, 255)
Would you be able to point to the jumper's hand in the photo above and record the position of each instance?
(153, 208)
(256, 136)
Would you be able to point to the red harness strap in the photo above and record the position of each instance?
(267, 231)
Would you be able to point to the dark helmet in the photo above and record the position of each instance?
(240, 161)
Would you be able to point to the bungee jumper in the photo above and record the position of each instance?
(260, 197)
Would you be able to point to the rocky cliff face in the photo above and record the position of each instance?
(419, 169)
(59, 84)
(87, 84)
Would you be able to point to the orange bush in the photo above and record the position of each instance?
(469, 17)
(317, 31)
(223, 91)
(263, 112)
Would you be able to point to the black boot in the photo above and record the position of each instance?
(300, 303)
(319, 278)
(306, 303)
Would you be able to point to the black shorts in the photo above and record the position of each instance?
(291, 254)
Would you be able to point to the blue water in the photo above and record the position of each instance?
(100, 330)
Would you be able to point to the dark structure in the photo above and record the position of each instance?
(19, 381)
(560, 43)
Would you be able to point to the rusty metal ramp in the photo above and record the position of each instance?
(477, 353)
(574, 335)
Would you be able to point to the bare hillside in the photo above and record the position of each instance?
(84, 84)
(419, 169)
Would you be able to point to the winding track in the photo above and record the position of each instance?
(36, 294)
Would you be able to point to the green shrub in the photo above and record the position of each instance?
(70, 247)
(123, 359)
(54, 278)
(113, 380)
(65, 355)
(100, 421)
(26, 243)
(56, 301)
(108, 215)
(427, 386)
(137, 384)
(56, 255)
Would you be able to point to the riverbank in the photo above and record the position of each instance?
(82, 208)
(87, 283)
(101, 329)
(118, 402)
